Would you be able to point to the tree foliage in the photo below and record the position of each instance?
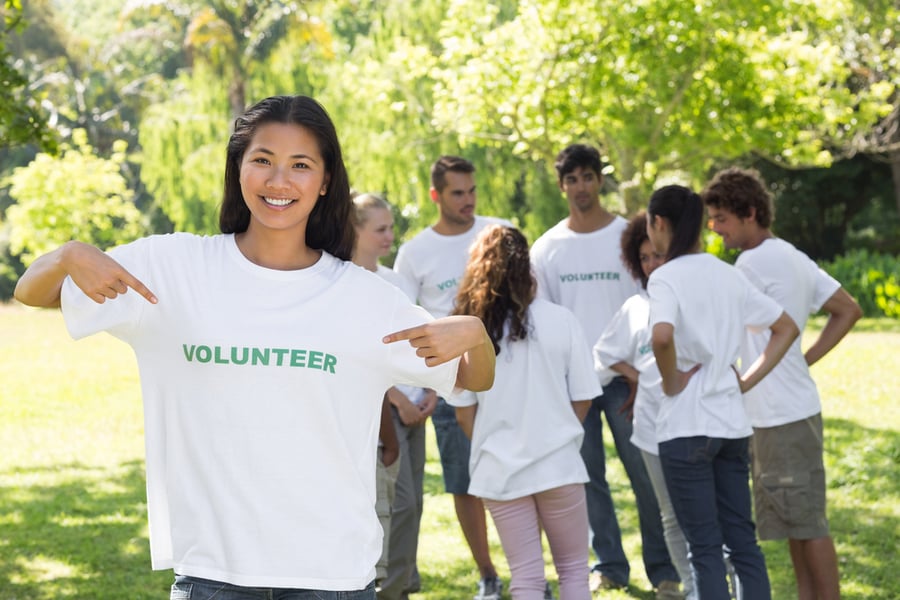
(667, 89)
(56, 202)
(663, 86)
(183, 152)
(21, 119)
(234, 39)
(380, 90)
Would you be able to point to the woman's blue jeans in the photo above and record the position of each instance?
(194, 588)
(708, 482)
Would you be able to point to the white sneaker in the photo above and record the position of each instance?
(489, 588)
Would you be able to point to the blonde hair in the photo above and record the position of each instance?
(363, 203)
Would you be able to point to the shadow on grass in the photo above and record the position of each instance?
(863, 469)
(863, 492)
(73, 531)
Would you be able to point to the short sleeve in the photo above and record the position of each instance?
(408, 368)
(84, 317)
(760, 311)
(826, 286)
(462, 398)
(663, 302)
(581, 379)
(615, 344)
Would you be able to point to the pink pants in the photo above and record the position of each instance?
(562, 513)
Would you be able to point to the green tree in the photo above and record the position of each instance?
(21, 119)
(183, 151)
(663, 87)
(234, 38)
(870, 37)
(56, 201)
(380, 91)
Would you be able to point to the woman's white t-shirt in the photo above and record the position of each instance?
(627, 339)
(710, 304)
(262, 398)
(526, 437)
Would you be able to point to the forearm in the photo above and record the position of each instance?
(663, 342)
(41, 283)
(476, 366)
(784, 332)
(397, 399)
(465, 416)
(843, 313)
(387, 433)
(626, 370)
(581, 408)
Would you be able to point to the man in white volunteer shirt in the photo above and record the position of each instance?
(434, 261)
(578, 265)
(786, 447)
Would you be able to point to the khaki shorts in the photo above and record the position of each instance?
(789, 480)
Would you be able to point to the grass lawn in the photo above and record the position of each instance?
(72, 503)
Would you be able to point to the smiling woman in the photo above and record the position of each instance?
(282, 177)
(263, 477)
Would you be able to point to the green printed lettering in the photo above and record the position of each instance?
(260, 357)
(204, 354)
(298, 358)
(280, 353)
(220, 360)
(244, 355)
(243, 358)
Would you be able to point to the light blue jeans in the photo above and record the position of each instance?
(194, 588)
(606, 537)
(678, 547)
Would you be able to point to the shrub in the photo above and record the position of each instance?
(872, 278)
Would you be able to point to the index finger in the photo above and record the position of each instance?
(403, 334)
(138, 286)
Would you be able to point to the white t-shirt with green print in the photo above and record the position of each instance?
(584, 272)
(262, 397)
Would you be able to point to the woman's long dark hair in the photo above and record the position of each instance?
(498, 286)
(329, 227)
(683, 209)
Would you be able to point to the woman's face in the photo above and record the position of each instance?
(375, 237)
(650, 258)
(282, 176)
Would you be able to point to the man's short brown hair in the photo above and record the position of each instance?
(444, 164)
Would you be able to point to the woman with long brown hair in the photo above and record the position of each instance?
(264, 356)
(526, 431)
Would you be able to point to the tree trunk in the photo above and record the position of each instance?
(895, 175)
(236, 96)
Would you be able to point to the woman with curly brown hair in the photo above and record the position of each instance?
(526, 432)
